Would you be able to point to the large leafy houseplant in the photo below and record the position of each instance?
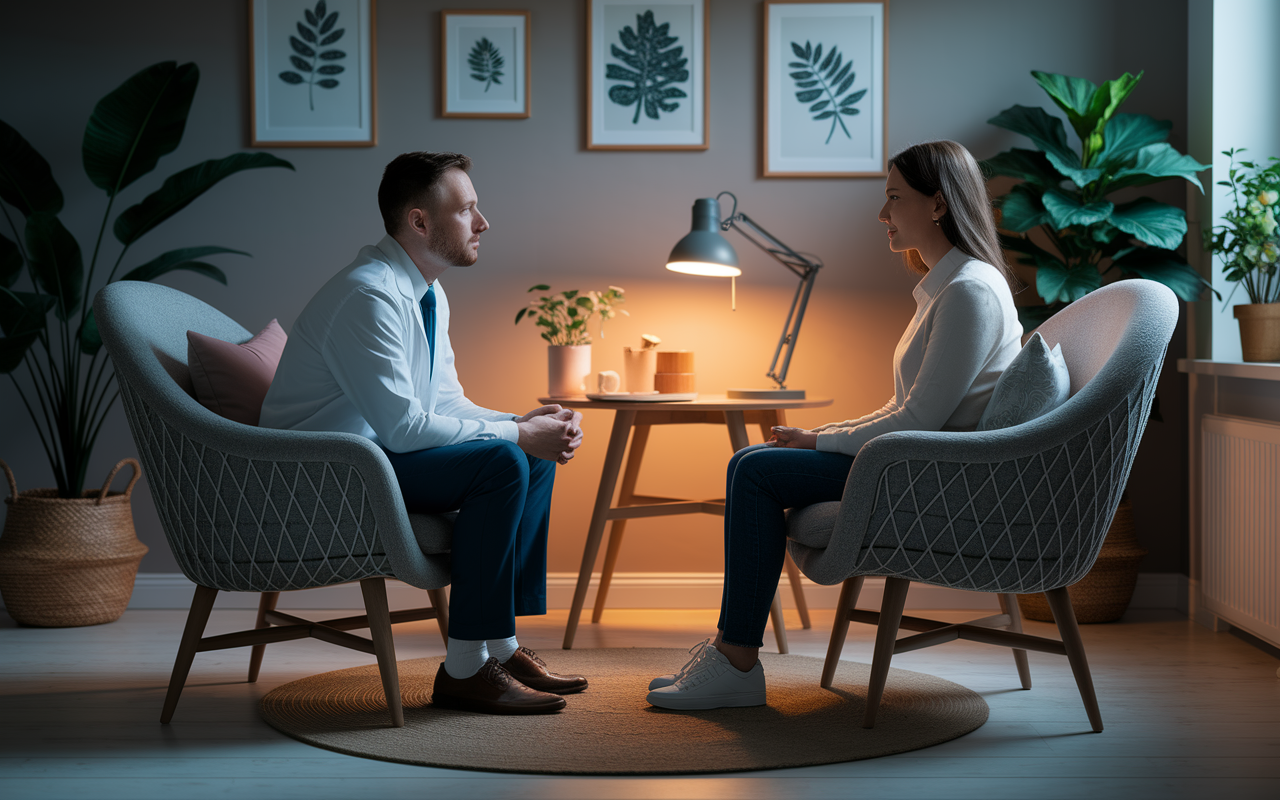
(51, 329)
(1065, 195)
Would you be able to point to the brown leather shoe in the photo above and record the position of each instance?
(492, 690)
(525, 666)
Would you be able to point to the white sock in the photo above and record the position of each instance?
(465, 657)
(503, 649)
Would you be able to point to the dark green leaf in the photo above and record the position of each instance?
(541, 287)
(809, 95)
(802, 76)
(1151, 222)
(290, 77)
(55, 262)
(333, 37)
(301, 47)
(321, 9)
(183, 187)
(1028, 165)
(332, 55)
(306, 33)
(333, 69)
(90, 340)
(657, 67)
(825, 115)
(311, 17)
(26, 182)
(10, 261)
(1072, 95)
(1125, 134)
(797, 65)
(329, 22)
(1049, 135)
(1164, 266)
(1158, 162)
(839, 76)
(799, 51)
(806, 84)
(844, 87)
(520, 314)
(816, 107)
(300, 63)
(1066, 210)
(327, 83)
(1058, 284)
(1021, 210)
(826, 64)
(137, 123)
(850, 111)
(853, 98)
(23, 313)
(12, 349)
(182, 259)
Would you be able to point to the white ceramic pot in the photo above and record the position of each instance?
(568, 368)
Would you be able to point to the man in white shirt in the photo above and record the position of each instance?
(370, 354)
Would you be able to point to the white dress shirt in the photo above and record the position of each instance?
(964, 333)
(357, 360)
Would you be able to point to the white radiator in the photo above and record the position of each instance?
(1240, 532)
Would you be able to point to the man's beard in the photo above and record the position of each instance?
(451, 252)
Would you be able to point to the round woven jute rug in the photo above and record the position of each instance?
(610, 730)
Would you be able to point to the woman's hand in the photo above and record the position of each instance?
(794, 437)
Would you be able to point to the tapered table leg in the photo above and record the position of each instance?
(639, 439)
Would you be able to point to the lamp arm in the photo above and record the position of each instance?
(804, 268)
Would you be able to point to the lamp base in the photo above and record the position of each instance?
(766, 394)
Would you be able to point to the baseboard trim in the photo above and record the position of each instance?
(635, 590)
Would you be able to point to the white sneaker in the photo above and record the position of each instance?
(666, 680)
(710, 681)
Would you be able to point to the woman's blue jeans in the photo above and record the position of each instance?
(762, 483)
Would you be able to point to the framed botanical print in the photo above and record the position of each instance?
(647, 74)
(314, 80)
(824, 89)
(484, 64)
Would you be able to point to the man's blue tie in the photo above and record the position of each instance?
(428, 305)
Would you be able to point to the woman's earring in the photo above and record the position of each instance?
(935, 222)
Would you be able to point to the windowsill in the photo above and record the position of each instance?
(1262, 371)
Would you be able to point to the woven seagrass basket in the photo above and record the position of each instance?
(69, 561)
(1104, 593)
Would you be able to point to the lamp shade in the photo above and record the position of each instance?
(704, 251)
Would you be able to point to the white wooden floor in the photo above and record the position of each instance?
(1188, 713)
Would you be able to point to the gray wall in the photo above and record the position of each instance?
(568, 216)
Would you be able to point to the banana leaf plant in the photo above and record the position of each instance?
(1064, 195)
(49, 327)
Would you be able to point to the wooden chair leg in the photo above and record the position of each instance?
(265, 603)
(440, 602)
(793, 575)
(849, 591)
(895, 599)
(779, 625)
(1009, 605)
(1065, 617)
(375, 606)
(197, 618)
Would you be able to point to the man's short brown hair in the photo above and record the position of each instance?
(410, 180)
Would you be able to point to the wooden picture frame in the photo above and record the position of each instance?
(485, 62)
(825, 87)
(313, 73)
(625, 117)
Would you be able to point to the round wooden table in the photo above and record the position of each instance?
(735, 414)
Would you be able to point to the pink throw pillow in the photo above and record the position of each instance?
(230, 379)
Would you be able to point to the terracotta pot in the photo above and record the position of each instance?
(568, 366)
(1259, 330)
(1104, 593)
(69, 561)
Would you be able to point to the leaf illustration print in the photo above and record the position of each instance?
(486, 63)
(316, 33)
(652, 65)
(831, 76)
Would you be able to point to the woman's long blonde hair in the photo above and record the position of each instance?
(969, 224)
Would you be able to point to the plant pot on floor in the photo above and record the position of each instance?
(1259, 330)
(1104, 593)
(69, 561)
(568, 367)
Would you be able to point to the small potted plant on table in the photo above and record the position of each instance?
(563, 319)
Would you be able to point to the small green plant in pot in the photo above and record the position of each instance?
(563, 319)
(1062, 218)
(1248, 244)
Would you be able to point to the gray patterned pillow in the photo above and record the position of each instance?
(1035, 383)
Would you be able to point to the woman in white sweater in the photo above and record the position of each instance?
(964, 333)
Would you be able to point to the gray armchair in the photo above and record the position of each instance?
(1018, 510)
(248, 509)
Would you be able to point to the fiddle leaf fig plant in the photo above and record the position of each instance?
(1065, 195)
(563, 317)
(69, 388)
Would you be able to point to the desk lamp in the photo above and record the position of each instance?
(705, 252)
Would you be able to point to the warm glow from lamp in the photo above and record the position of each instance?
(704, 268)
